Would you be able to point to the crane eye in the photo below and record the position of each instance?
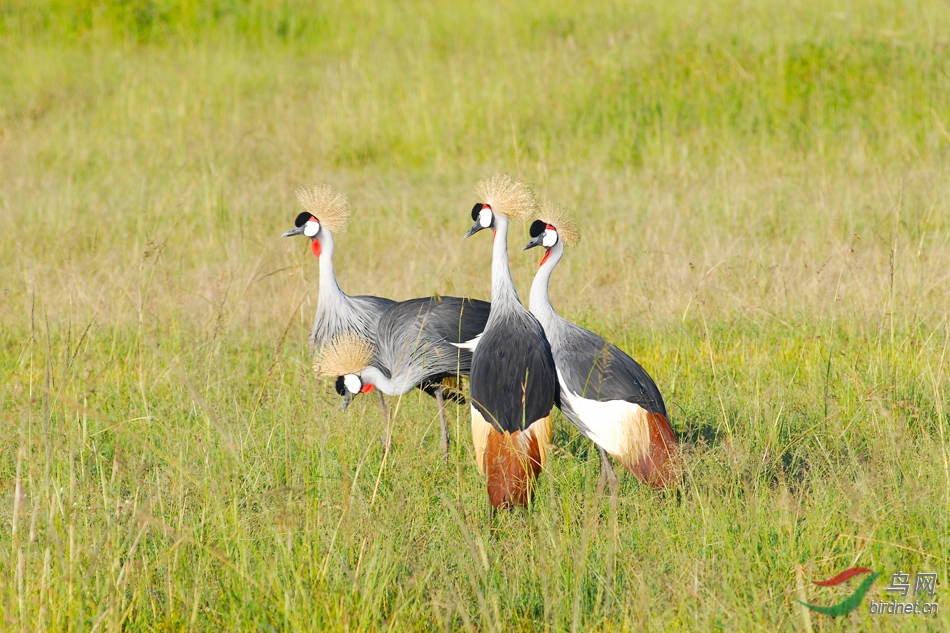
(549, 239)
(311, 228)
(485, 217)
(353, 383)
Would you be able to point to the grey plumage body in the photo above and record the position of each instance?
(588, 365)
(415, 340)
(512, 379)
(591, 370)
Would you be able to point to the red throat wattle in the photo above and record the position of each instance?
(545, 258)
(315, 247)
(366, 389)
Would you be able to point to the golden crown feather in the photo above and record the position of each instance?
(507, 196)
(562, 220)
(329, 206)
(347, 353)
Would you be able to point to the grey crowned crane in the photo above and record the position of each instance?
(604, 392)
(418, 344)
(328, 212)
(513, 382)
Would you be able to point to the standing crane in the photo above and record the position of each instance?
(513, 382)
(606, 394)
(419, 343)
(328, 212)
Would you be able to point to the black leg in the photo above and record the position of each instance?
(607, 475)
(444, 425)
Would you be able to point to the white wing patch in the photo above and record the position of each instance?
(470, 344)
(619, 427)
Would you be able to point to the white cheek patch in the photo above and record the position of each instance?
(311, 228)
(353, 383)
(549, 239)
(484, 218)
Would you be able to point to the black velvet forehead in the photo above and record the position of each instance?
(478, 207)
(302, 219)
(537, 228)
(340, 387)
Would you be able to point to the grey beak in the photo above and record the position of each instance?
(475, 229)
(534, 242)
(295, 231)
(346, 400)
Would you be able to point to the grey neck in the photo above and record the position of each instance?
(329, 288)
(540, 300)
(504, 296)
(388, 386)
(334, 308)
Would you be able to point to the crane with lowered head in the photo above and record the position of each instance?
(417, 345)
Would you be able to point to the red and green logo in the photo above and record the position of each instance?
(850, 603)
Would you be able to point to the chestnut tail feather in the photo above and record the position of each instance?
(513, 462)
(661, 466)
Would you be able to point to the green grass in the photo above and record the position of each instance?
(763, 194)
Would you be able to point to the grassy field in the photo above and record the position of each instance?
(764, 196)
